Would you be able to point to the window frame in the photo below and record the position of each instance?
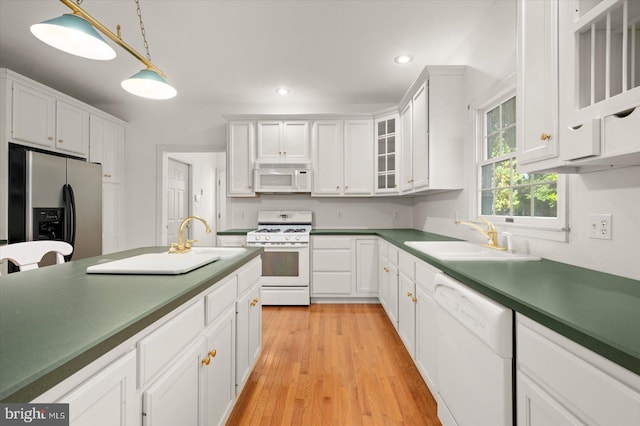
(551, 228)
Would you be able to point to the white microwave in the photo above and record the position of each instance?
(282, 180)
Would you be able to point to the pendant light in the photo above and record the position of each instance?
(73, 34)
(76, 34)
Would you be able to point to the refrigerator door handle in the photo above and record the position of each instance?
(70, 217)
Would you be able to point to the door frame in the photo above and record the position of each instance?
(163, 152)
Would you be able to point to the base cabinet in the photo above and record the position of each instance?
(108, 398)
(248, 335)
(178, 396)
(562, 383)
(426, 326)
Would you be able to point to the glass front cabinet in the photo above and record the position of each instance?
(387, 133)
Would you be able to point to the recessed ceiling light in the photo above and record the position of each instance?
(282, 91)
(404, 58)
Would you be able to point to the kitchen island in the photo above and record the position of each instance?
(55, 321)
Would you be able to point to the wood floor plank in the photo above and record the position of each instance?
(333, 365)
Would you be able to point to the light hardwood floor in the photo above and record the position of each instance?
(333, 365)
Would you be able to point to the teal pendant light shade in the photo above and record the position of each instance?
(73, 34)
(149, 84)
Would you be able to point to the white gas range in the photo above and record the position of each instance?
(284, 235)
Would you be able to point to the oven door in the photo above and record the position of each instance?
(284, 266)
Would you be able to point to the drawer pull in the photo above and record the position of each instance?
(545, 137)
(625, 113)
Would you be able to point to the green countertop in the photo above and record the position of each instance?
(58, 319)
(597, 310)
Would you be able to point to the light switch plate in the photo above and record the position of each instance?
(600, 226)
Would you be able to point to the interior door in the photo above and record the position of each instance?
(178, 183)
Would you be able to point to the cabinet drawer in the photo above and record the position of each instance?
(331, 283)
(621, 133)
(332, 260)
(249, 274)
(331, 243)
(223, 296)
(580, 379)
(156, 350)
(425, 276)
(407, 265)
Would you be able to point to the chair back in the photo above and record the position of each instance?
(27, 255)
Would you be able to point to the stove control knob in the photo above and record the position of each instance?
(267, 237)
(287, 238)
(297, 237)
(257, 237)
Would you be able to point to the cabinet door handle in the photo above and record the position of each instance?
(409, 294)
(212, 353)
(50, 138)
(254, 302)
(206, 361)
(285, 153)
(385, 269)
(107, 175)
(60, 140)
(346, 187)
(415, 299)
(545, 137)
(337, 187)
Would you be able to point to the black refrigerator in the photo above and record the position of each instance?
(54, 197)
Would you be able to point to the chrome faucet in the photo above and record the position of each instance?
(491, 232)
(181, 246)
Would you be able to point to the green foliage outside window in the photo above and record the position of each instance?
(504, 191)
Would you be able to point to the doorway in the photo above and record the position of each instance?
(204, 196)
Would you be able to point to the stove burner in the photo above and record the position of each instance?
(267, 230)
(295, 230)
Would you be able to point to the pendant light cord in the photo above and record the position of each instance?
(142, 30)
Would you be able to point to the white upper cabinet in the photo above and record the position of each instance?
(431, 134)
(386, 161)
(591, 121)
(240, 158)
(41, 118)
(342, 158)
(283, 141)
(537, 93)
(106, 146)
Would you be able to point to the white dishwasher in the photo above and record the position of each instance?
(474, 357)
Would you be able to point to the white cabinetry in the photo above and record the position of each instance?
(283, 141)
(42, 119)
(386, 162)
(426, 327)
(106, 146)
(389, 280)
(248, 322)
(342, 158)
(177, 397)
(431, 135)
(595, 47)
(407, 302)
(232, 240)
(562, 383)
(537, 92)
(331, 264)
(344, 267)
(240, 158)
(108, 398)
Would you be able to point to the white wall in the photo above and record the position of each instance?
(490, 56)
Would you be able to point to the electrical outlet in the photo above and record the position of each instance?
(600, 226)
(396, 215)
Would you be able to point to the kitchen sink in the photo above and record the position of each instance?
(166, 263)
(466, 251)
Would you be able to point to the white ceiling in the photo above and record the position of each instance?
(239, 51)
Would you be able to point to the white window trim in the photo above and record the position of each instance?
(542, 228)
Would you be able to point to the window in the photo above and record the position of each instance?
(504, 195)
